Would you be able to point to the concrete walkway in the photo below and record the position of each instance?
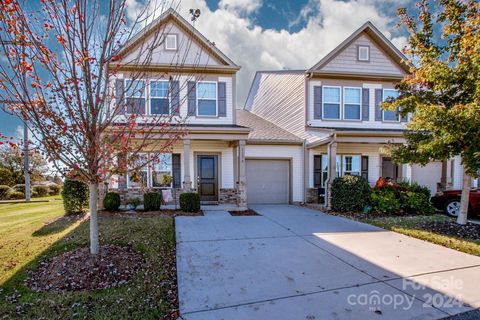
(295, 263)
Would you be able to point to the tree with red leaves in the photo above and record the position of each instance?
(67, 53)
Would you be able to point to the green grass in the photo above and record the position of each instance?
(30, 233)
(409, 225)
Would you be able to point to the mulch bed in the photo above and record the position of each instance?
(140, 214)
(78, 270)
(249, 212)
(469, 231)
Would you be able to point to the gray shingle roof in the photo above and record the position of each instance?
(263, 130)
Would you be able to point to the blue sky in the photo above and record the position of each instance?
(278, 34)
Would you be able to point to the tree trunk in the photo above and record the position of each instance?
(462, 216)
(94, 243)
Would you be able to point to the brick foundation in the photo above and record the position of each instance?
(228, 195)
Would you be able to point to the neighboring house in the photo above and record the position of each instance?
(335, 107)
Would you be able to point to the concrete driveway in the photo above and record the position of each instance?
(296, 263)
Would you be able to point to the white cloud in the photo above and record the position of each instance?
(327, 24)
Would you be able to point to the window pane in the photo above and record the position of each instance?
(163, 162)
(352, 111)
(161, 179)
(331, 111)
(135, 88)
(135, 106)
(352, 96)
(206, 90)
(207, 107)
(356, 160)
(389, 94)
(363, 53)
(331, 94)
(389, 115)
(159, 106)
(159, 89)
(171, 42)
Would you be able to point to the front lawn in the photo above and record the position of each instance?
(29, 233)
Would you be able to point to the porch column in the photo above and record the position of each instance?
(332, 172)
(407, 172)
(242, 178)
(187, 180)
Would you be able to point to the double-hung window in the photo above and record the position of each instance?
(135, 97)
(352, 103)
(138, 171)
(162, 171)
(351, 165)
(331, 103)
(207, 99)
(324, 169)
(159, 97)
(390, 115)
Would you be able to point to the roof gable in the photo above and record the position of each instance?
(199, 51)
(385, 58)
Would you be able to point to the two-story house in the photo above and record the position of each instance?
(335, 107)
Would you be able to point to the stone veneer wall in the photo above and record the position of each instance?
(312, 195)
(228, 195)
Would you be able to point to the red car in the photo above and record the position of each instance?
(449, 202)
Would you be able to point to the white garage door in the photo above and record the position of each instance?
(268, 181)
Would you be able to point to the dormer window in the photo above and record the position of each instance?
(171, 42)
(363, 53)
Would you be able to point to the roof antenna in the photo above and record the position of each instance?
(195, 14)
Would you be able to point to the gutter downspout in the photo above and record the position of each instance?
(306, 155)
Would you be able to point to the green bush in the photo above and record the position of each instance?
(6, 177)
(111, 202)
(75, 197)
(54, 189)
(42, 191)
(418, 203)
(19, 188)
(4, 191)
(16, 195)
(34, 194)
(385, 200)
(190, 202)
(416, 188)
(152, 201)
(134, 202)
(350, 193)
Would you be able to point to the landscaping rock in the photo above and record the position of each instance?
(469, 231)
(79, 270)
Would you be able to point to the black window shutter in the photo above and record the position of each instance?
(317, 171)
(365, 104)
(378, 103)
(222, 99)
(365, 167)
(317, 102)
(176, 170)
(119, 95)
(175, 97)
(192, 98)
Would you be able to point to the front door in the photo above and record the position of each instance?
(207, 177)
(389, 169)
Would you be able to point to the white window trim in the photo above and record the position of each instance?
(125, 97)
(339, 168)
(145, 169)
(360, 47)
(152, 169)
(216, 100)
(360, 104)
(339, 103)
(383, 111)
(175, 36)
(149, 97)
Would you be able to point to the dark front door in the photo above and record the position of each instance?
(207, 177)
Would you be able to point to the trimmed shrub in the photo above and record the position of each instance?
(190, 202)
(152, 201)
(54, 189)
(4, 191)
(415, 187)
(111, 201)
(16, 195)
(385, 200)
(34, 194)
(418, 203)
(6, 177)
(134, 202)
(75, 197)
(19, 188)
(350, 193)
(42, 191)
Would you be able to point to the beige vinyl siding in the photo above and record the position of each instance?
(346, 61)
(187, 53)
(280, 99)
